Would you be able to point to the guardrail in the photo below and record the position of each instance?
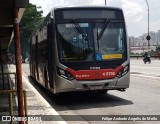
(153, 56)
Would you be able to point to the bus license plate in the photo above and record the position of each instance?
(95, 87)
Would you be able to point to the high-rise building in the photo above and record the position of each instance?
(157, 38)
(131, 40)
(141, 41)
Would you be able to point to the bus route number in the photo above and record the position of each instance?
(108, 73)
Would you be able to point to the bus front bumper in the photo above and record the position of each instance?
(64, 85)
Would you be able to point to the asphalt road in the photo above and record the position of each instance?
(138, 66)
(142, 98)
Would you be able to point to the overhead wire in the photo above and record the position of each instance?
(143, 12)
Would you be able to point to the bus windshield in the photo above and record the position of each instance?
(91, 41)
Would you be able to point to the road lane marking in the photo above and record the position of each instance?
(146, 76)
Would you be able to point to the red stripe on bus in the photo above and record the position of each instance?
(94, 74)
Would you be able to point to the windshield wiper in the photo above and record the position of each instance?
(101, 32)
(103, 29)
(78, 27)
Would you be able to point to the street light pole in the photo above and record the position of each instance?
(148, 36)
(105, 2)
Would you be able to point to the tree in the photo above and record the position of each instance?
(158, 49)
(30, 20)
(152, 52)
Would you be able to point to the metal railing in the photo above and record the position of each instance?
(10, 92)
(6, 78)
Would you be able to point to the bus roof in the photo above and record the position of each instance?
(85, 7)
(70, 12)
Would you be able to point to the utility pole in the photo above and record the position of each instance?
(148, 36)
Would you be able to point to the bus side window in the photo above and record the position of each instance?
(50, 39)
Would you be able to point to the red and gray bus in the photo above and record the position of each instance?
(81, 49)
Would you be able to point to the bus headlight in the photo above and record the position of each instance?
(123, 71)
(64, 74)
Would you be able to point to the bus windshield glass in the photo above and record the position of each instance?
(91, 41)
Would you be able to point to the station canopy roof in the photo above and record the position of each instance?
(7, 19)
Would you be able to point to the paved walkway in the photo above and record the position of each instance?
(38, 108)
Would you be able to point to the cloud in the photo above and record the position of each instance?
(71, 2)
(131, 9)
(97, 2)
(135, 12)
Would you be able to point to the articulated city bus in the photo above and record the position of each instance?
(81, 49)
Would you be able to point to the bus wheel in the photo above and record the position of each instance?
(102, 91)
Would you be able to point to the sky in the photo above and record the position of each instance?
(135, 11)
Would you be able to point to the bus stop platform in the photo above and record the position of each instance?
(37, 109)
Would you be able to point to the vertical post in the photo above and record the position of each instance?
(25, 105)
(105, 2)
(148, 27)
(11, 106)
(18, 65)
(2, 66)
(148, 37)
